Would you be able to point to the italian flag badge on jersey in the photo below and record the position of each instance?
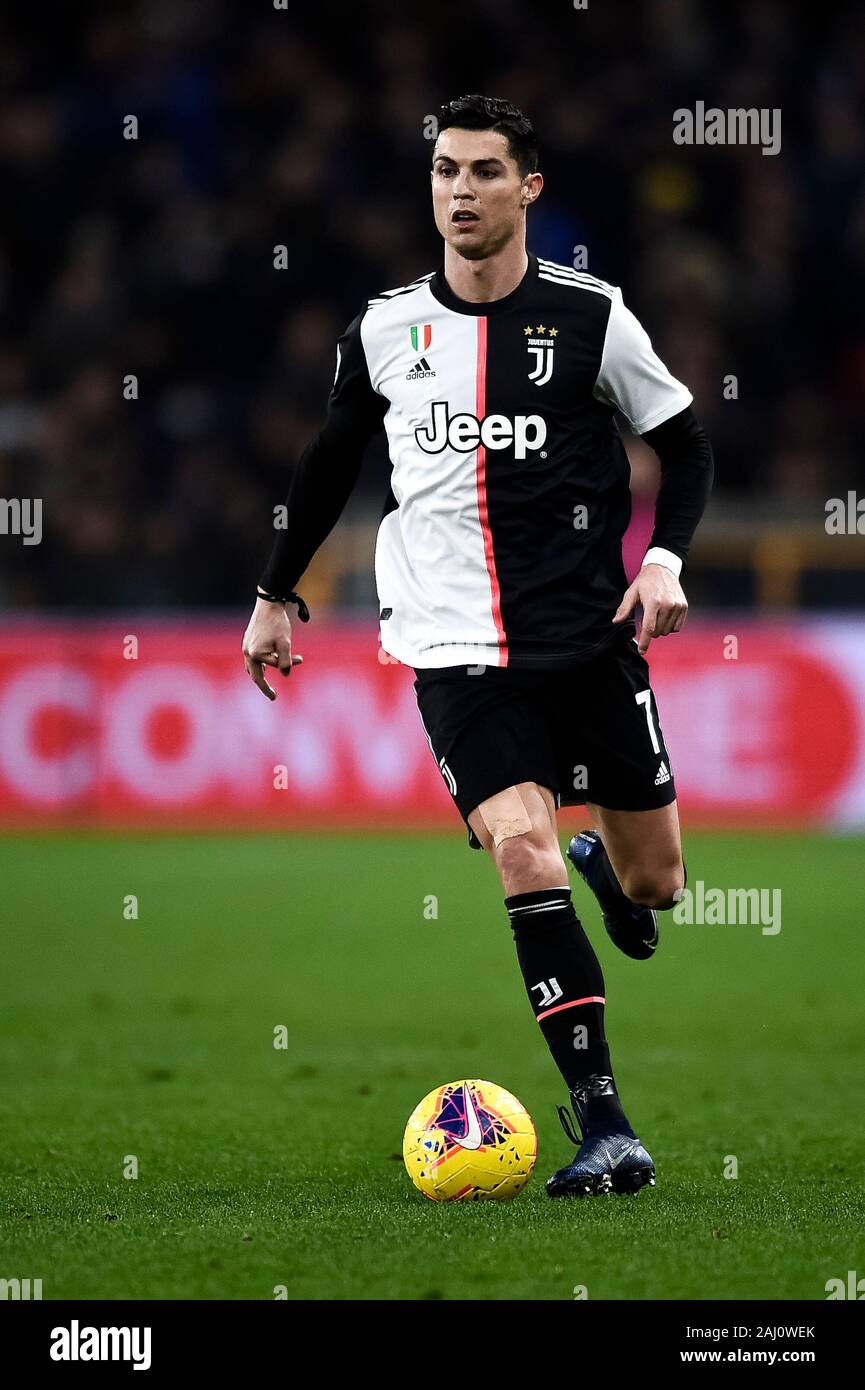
(418, 331)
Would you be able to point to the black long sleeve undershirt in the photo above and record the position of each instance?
(328, 468)
(687, 472)
(322, 483)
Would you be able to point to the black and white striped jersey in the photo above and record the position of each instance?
(510, 485)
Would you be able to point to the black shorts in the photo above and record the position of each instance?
(589, 734)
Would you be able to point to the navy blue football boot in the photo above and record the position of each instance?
(634, 929)
(605, 1161)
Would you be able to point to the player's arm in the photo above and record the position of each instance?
(321, 485)
(658, 407)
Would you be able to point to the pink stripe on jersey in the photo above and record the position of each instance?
(481, 476)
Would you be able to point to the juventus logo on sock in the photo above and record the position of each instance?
(551, 990)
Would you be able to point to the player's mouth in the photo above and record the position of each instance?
(462, 217)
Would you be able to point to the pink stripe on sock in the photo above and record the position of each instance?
(589, 999)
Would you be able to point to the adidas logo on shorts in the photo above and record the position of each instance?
(663, 774)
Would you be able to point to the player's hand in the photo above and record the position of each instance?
(267, 642)
(665, 607)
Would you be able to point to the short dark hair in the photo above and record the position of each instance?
(494, 113)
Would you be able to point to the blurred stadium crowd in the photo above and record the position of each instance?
(305, 127)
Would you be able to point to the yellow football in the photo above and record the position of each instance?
(470, 1141)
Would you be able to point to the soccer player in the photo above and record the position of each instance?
(500, 581)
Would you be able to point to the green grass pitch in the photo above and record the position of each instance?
(262, 1167)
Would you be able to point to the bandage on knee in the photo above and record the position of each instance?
(505, 815)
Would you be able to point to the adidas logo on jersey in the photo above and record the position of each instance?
(663, 775)
(419, 370)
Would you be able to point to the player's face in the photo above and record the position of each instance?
(478, 191)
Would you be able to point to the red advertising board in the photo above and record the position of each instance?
(130, 722)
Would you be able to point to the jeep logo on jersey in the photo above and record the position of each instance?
(464, 432)
(542, 349)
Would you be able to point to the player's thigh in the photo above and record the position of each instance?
(489, 737)
(645, 850)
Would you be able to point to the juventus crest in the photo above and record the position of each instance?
(541, 343)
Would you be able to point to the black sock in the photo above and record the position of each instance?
(563, 980)
(565, 984)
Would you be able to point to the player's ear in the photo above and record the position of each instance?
(532, 185)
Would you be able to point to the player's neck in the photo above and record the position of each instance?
(479, 282)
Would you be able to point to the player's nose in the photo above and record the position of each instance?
(462, 189)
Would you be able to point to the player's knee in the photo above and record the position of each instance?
(504, 816)
(519, 834)
(657, 886)
(527, 859)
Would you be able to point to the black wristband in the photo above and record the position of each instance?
(302, 610)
